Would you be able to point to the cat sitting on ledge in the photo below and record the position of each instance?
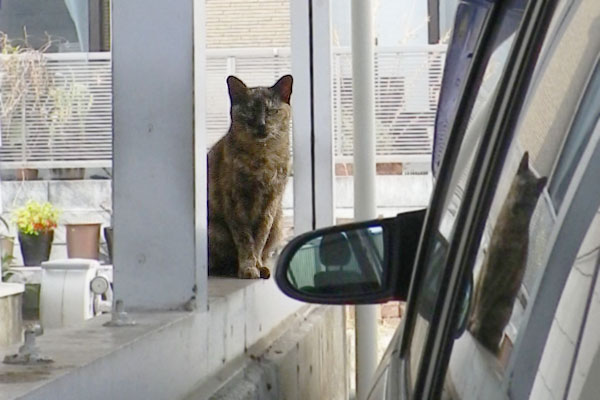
(247, 174)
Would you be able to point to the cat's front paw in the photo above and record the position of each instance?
(249, 273)
(264, 272)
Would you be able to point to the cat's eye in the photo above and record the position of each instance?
(273, 111)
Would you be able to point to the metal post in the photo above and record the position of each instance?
(200, 298)
(324, 181)
(364, 175)
(301, 113)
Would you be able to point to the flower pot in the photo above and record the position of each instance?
(36, 249)
(62, 174)
(83, 240)
(27, 174)
(108, 236)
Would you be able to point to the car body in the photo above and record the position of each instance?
(522, 82)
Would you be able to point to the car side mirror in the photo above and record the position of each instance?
(360, 263)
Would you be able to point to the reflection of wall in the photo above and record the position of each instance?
(38, 17)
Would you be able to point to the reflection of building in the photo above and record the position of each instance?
(71, 25)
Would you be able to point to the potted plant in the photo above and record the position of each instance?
(7, 244)
(26, 89)
(36, 223)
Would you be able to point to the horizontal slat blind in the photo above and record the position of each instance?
(74, 126)
(256, 67)
(407, 84)
(69, 123)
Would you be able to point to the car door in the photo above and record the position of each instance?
(495, 23)
(550, 318)
(438, 288)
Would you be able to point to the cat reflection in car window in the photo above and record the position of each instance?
(503, 268)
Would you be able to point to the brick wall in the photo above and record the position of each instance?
(247, 23)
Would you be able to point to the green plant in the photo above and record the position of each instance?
(5, 223)
(34, 218)
(7, 261)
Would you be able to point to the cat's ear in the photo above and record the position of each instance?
(283, 88)
(524, 165)
(541, 184)
(237, 89)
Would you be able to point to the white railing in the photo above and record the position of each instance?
(74, 127)
(407, 80)
(407, 85)
(65, 121)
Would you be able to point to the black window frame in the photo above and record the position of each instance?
(471, 84)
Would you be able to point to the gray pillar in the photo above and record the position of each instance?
(158, 263)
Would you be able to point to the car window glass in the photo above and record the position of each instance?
(585, 120)
(436, 257)
(499, 270)
(579, 306)
(516, 244)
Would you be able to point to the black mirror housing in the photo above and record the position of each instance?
(359, 263)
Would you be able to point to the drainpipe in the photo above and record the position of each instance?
(364, 175)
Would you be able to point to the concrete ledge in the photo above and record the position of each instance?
(11, 323)
(164, 356)
(307, 361)
(10, 289)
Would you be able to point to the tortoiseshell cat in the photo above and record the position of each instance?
(247, 173)
(504, 265)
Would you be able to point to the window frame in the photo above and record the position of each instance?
(473, 80)
(427, 368)
(581, 202)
